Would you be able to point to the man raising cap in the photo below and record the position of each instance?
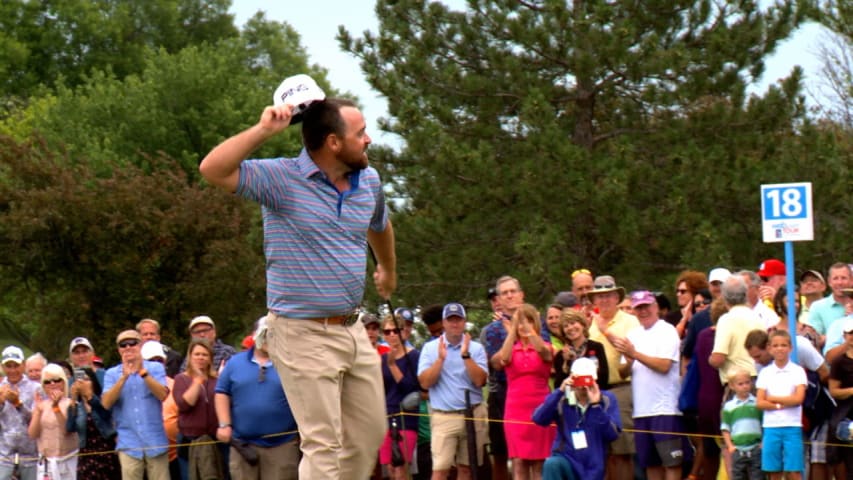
(17, 393)
(320, 210)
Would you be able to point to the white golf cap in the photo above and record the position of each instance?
(299, 91)
(719, 275)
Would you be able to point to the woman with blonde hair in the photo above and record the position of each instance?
(57, 447)
(578, 345)
(526, 358)
(194, 392)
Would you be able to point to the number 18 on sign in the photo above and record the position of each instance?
(786, 212)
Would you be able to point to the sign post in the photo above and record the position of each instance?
(786, 216)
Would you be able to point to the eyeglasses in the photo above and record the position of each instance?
(701, 303)
(682, 291)
(605, 286)
(201, 331)
(52, 381)
(128, 343)
(581, 271)
(389, 331)
(262, 374)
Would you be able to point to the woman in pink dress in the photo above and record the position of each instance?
(526, 358)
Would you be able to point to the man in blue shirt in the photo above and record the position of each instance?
(321, 210)
(253, 411)
(134, 390)
(449, 367)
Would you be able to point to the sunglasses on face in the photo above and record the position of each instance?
(389, 331)
(681, 291)
(52, 381)
(701, 303)
(128, 343)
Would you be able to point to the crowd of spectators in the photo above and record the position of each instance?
(600, 382)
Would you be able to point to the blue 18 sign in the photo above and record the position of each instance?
(786, 212)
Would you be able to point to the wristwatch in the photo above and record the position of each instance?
(224, 425)
(466, 356)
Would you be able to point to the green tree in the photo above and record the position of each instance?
(91, 255)
(64, 41)
(181, 104)
(610, 135)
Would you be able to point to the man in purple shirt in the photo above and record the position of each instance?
(321, 210)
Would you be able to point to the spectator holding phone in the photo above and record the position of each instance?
(587, 422)
(92, 423)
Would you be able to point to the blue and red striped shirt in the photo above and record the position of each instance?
(315, 238)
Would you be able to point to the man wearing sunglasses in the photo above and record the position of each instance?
(134, 390)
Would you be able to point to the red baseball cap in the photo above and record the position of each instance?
(771, 267)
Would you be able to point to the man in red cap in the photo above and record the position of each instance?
(772, 273)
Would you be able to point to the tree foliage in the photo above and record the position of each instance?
(91, 255)
(615, 136)
(65, 41)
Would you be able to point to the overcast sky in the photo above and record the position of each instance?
(317, 22)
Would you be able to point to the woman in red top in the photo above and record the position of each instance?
(194, 393)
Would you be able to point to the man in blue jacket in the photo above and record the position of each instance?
(587, 421)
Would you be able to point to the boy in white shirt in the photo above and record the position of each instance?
(781, 389)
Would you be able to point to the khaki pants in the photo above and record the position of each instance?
(280, 462)
(332, 377)
(133, 468)
(449, 440)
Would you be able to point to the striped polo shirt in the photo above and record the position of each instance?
(315, 238)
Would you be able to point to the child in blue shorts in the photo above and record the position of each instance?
(781, 389)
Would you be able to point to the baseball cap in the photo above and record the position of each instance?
(642, 297)
(813, 273)
(453, 310)
(12, 354)
(128, 335)
(97, 360)
(80, 341)
(583, 367)
(405, 314)
(718, 274)
(771, 267)
(566, 299)
(299, 91)
(200, 320)
(369, 318)
(491, 293)
(152, 349)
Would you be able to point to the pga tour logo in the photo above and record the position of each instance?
(783, 228)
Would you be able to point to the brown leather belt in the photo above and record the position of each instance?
(345, 320)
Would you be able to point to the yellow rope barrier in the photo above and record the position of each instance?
(22, 459)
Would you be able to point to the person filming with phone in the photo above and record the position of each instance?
(587, 421)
